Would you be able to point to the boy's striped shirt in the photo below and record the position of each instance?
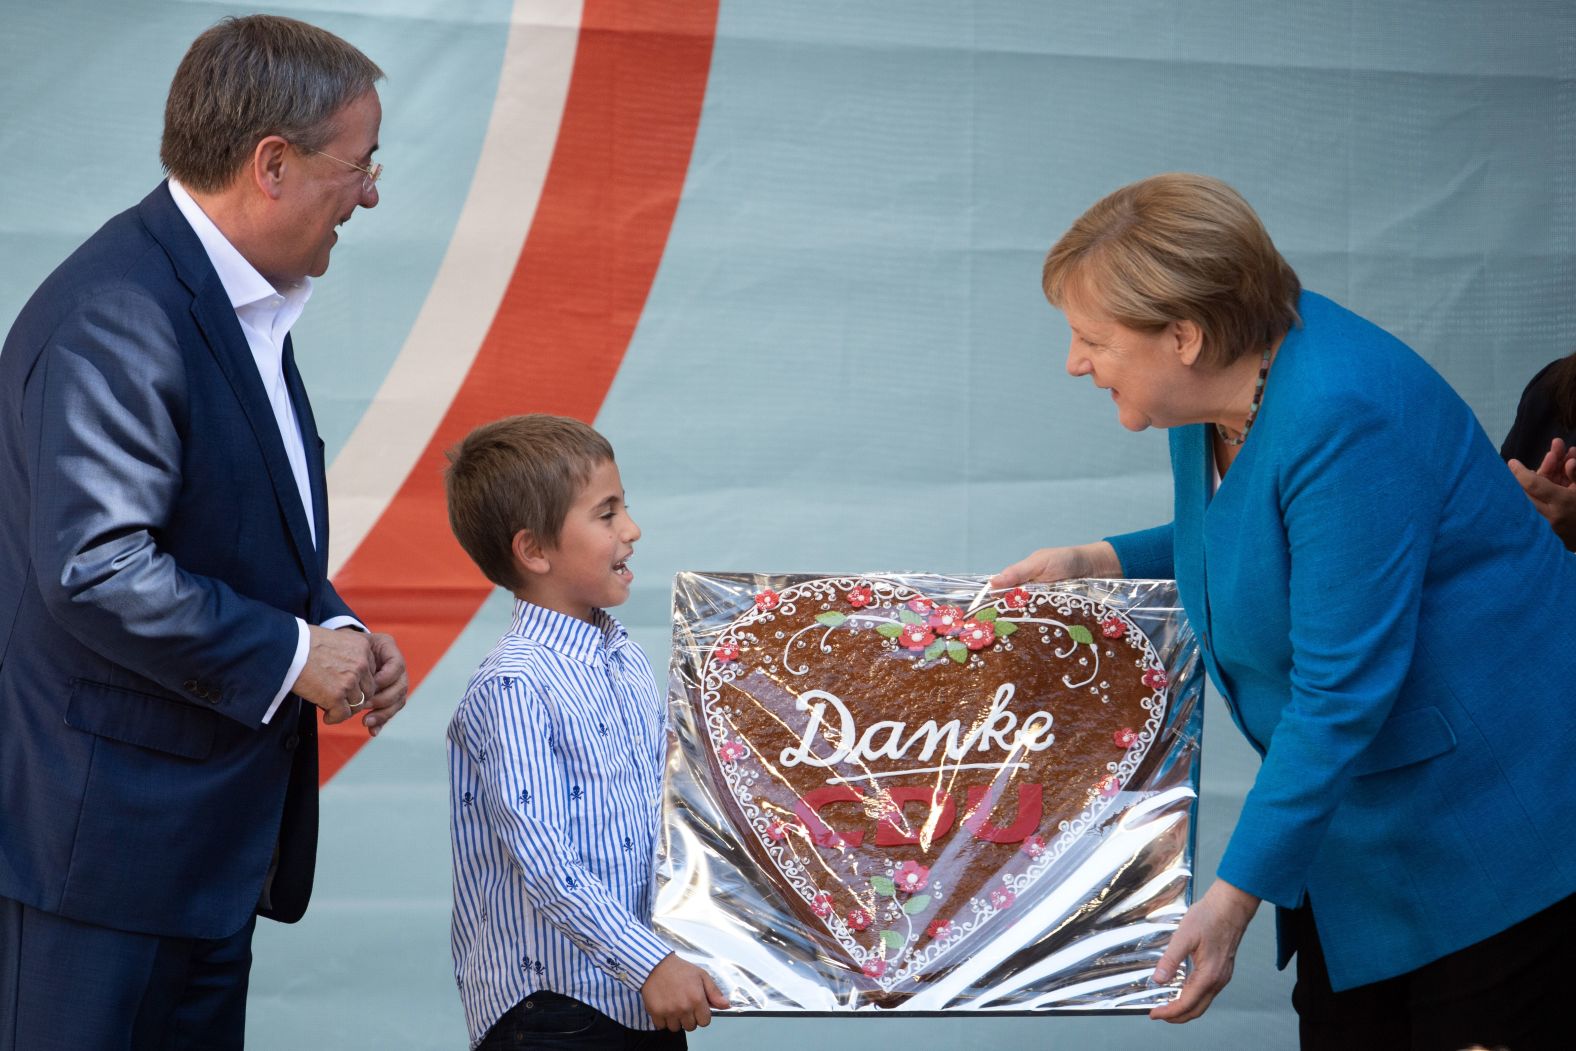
(556, 757)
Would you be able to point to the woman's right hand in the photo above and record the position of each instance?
(1050, 564)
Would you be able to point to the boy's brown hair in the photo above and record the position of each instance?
(520, 472)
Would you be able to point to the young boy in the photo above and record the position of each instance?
(556, 755)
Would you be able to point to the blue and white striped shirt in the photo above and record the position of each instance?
(556, 756)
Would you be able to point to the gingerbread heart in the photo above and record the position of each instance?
(906, 773)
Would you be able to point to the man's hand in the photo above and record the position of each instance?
(391, 683)
(1050, 564)
(679, 995)
(1209, 933)
(338, 672)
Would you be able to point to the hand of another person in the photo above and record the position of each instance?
(1559, 463)
(338, 672)
(1050, 564)
(1209, 934)
(679, 995)
(1552, 489)
(390, 679)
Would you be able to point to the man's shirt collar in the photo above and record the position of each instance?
(242, 283)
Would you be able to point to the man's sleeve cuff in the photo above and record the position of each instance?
(303, 641)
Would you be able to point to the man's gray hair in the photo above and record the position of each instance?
(248, 78)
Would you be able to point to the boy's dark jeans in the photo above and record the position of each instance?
(551, 1022)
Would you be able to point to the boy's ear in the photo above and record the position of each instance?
(528, 553)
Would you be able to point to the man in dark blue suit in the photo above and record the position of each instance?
(167, 626)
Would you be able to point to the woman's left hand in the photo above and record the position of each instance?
(1209, 934)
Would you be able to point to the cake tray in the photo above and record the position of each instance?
(898, 793)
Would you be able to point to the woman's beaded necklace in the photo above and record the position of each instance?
(1253, 409)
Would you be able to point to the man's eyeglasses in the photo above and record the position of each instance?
(370, 174)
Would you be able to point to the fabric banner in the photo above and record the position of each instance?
(786, 257)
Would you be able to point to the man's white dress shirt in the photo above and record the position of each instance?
(265, 314)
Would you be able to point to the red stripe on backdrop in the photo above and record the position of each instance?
(567, 315)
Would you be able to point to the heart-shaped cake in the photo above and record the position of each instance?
(905, 771)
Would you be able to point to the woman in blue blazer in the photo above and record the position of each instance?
(1380, 608)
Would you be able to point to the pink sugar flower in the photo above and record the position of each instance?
(911, 877)
(946, 620)
(977, 634)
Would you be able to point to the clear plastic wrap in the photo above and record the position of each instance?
(906, 792)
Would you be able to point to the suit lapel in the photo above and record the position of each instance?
(317, 481)
(215, 317)
(1192, 469)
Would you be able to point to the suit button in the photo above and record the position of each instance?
(291, 742)
(190, 686)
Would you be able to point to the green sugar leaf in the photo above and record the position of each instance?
(916, 905)
(831, 618)
(957, 651)
(908, 616)
(987, 614)
(934, 650)
(1007, 627)
(883, 885)
(890, 631)
(1080, 634)
(892, 939)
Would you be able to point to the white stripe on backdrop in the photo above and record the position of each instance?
(454, 319)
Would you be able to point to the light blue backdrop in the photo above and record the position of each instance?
(845, 363)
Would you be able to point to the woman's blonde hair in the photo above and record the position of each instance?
(1178, 247)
